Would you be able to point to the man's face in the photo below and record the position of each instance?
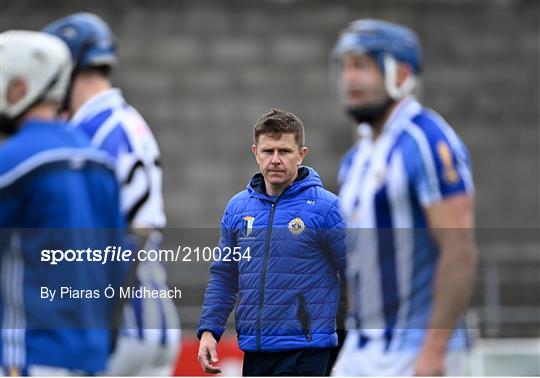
(279, 159)
(362, 80)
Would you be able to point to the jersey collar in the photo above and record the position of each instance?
(404, 111)
(111, 98)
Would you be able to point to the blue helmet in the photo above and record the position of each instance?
(88, 37)
(379, 38)
(389, 44)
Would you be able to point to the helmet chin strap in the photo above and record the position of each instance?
(390, 76)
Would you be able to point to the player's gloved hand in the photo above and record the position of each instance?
(208, 353)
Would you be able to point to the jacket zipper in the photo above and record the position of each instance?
(263, 275)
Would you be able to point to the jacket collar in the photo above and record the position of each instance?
(307, 177)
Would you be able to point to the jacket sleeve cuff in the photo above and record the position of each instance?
(216, 331)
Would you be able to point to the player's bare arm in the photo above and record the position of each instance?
(451, 222)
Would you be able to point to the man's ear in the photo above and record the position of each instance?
(303, 153)
(254, 150)
(17, 89)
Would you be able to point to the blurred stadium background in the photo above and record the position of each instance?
(202, 72)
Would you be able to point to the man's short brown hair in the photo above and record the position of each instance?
(276, 123)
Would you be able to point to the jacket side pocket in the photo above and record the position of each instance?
(302, 314)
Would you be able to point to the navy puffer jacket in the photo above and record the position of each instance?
(288, 286)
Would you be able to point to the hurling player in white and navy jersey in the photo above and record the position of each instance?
(407, 196)
(150, 335)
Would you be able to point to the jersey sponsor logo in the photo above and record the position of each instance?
(296, 226)
(450, 174)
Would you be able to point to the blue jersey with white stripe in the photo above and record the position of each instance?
(118, 129)
(385, 185)
(55, 192)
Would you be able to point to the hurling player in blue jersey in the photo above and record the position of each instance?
(150, 335)
(407, 197)
(55, 192)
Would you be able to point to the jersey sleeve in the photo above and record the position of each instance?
(438, 163)
(116, 142)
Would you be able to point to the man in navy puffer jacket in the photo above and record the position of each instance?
(287, 244)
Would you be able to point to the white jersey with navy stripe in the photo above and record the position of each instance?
(417, 161)
(117, 128)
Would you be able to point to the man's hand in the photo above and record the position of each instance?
(429, 363)
(208, 353)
